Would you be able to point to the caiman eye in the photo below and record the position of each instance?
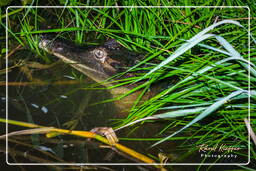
(100, 54)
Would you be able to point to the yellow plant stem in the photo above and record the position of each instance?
(85, 134)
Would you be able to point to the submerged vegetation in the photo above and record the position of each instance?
(200, 59)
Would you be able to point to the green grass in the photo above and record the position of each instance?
(208, 94)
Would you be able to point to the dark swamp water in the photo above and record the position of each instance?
(61, 97)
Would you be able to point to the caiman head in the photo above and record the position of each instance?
(98, 62)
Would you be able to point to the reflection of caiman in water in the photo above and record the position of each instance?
(98, 62)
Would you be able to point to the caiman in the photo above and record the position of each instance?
(97, 62)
